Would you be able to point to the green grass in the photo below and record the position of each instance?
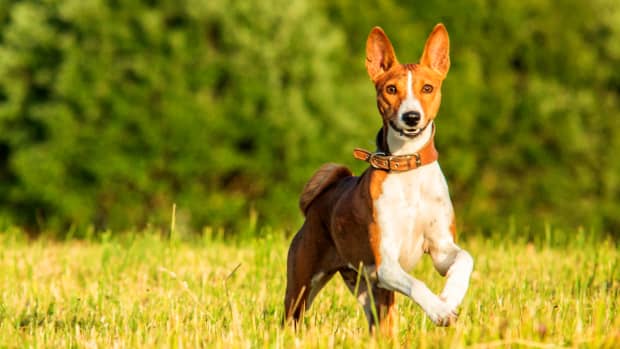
(143, 291)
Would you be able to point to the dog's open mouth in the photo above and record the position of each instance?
(407, 132)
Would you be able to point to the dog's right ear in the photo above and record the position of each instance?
(380, 55)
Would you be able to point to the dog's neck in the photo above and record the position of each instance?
(390, 142)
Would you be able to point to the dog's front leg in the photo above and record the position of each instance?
(392, 277)
(456, 264)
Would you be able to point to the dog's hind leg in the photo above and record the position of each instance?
(384, 311)
(312, 261)
(358, 287)
(298, 278)
(385, 307)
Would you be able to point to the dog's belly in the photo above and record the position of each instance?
(408, 210)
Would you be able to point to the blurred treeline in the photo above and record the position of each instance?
(113, 110)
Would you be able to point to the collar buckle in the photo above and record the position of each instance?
(418, 159)
(374, 160)
(399, 163)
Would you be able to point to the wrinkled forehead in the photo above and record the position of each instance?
(400, 71)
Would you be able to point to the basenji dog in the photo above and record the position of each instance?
(382, 222)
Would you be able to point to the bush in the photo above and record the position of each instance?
(111, 111)
(528, 127)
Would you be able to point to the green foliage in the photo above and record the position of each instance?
(529, 125)
(111, 111)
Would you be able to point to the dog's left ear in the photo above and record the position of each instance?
(437, 50)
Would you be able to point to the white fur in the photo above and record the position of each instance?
(401, 145)
(414, 213)
(411, 103)
(316, 283)
(316, 279)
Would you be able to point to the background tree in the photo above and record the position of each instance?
(111, 111)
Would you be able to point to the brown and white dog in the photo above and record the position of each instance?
(397, 210)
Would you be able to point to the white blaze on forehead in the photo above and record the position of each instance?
(397, 143)
(410, 103)
(409, 85)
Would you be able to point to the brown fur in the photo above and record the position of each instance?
(384, 70)
(325, 176)
(340, 229)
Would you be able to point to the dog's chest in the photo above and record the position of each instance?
(412, 206)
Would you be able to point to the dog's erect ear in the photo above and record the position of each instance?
(437, 50)
(380, 55)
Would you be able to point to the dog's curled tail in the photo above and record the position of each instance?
(324, 177)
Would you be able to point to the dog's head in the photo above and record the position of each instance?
(408, 95)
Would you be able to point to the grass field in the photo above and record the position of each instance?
(143, 291)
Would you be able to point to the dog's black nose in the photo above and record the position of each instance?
(411, 118)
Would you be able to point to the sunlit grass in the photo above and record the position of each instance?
(144, 291)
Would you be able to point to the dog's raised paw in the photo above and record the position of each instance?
(442, 314)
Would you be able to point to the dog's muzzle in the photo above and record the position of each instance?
(407, 132)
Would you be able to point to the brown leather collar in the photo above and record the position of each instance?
(400, 163)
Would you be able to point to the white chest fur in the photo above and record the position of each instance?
(414, 207)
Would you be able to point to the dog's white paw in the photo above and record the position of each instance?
(441, 313)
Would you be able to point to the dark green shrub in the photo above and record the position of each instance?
(111, 111)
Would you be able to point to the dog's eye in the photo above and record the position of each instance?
(391, 89)
(427, 88)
